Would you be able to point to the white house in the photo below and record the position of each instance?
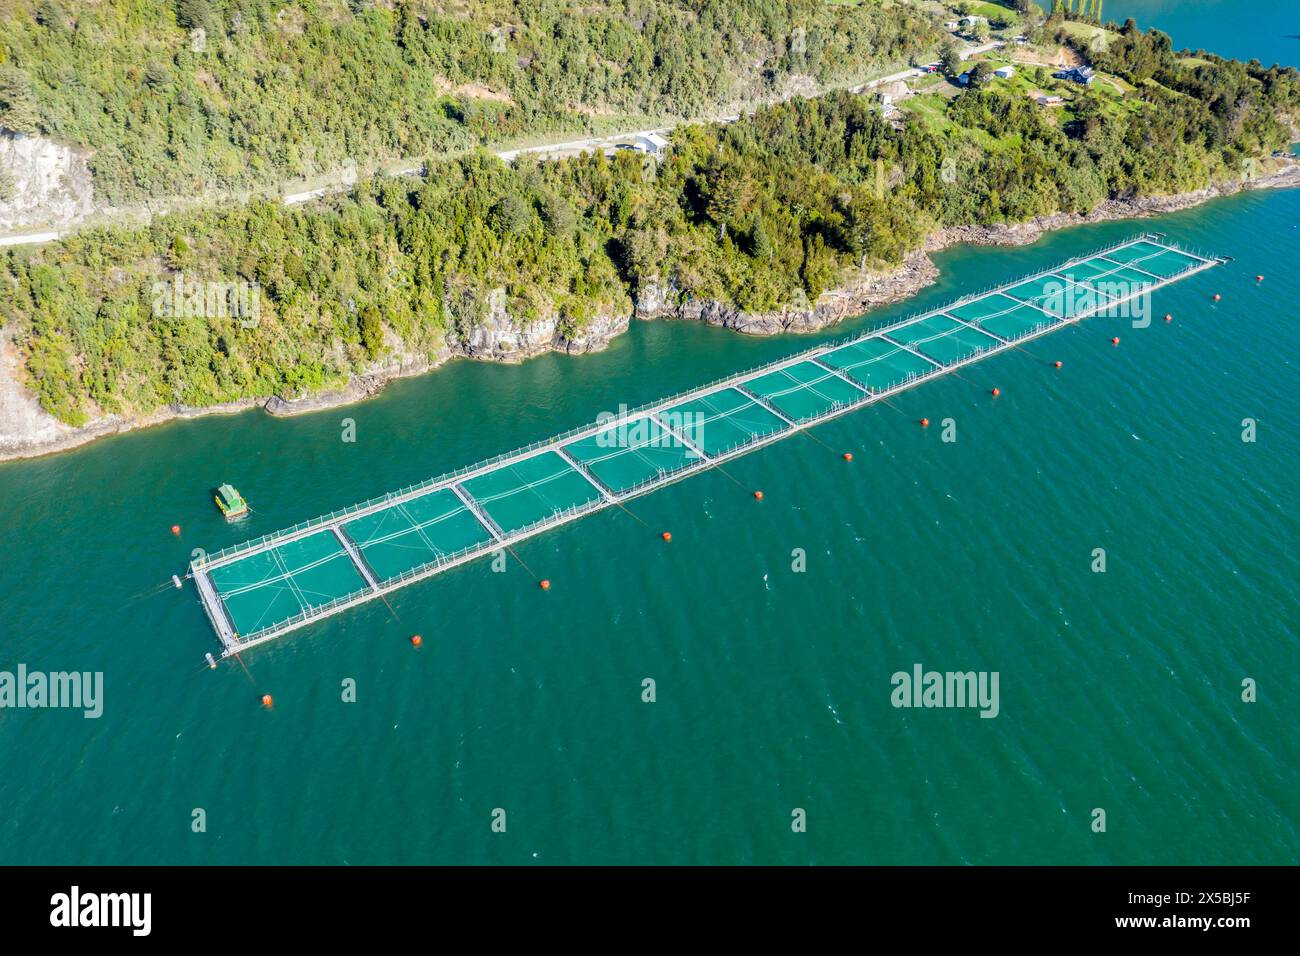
(651, 144)
(1006, 72)
(1077, 74)
(654, 144)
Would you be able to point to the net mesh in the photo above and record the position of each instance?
(727, 419)
(876, 363)
(804, 391)
(266, 588)
(527, 491)
(943, 339)
(415, 532)
(629, 453)
(274, 585)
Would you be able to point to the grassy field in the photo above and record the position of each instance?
(992, 11)
(933, 93)
(1086, 31)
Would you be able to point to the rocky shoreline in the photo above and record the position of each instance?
(851, 299)
(28, 431)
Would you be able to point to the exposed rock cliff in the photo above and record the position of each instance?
(491, 332)
(852, 298)
(49, 184)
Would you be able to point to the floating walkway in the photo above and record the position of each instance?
(257, 591)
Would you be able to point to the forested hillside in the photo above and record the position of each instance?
(1226, 105)
(757, 214)
(178, 97)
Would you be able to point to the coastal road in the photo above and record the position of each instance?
(544, 151)
(560, 150)
(908, 74)
(28, 238)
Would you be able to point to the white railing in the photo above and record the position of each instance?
(663, 477)
(431, 484)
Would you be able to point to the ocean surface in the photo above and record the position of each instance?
(1120, 690)
(1264, 30)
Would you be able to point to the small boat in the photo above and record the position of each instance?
(231, 503)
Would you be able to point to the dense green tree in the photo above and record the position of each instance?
(727, 189)
(371, 328)
(49, 15)
(192, 14)
(760, 244)
(559, 215)
(511, 215)
(281, 91)
(950, 57)
(17, 108)
(980, 74)
(761, 214)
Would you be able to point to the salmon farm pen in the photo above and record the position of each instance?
(257, 591)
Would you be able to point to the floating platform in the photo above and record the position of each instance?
(230, 502)
(262, 589)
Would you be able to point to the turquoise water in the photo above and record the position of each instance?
(1118, 690)
(1266, 30)
(264, 588)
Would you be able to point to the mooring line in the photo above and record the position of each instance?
(628, 512)
(521, 561)
(718, 465)
(152, 592)
(247, 673)
(737, 382)
(816, 439)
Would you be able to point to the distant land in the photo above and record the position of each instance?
(806, 212)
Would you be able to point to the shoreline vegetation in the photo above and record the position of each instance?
(918, 271)
(804, 214)
(182, 97)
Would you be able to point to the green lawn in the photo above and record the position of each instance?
(1086, 31)
(992, 11)
(980, 8)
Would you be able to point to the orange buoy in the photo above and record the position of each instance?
(1217, 297)
(266, 700)
(1259, 278)
(925, 423)
(1168, 317)
(848, 456)
(996, 392)
(758, 495)
(1057, 364)
(544, 584)
(416, 640)
(176, 529)
(1115, 340)
(667, 536)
